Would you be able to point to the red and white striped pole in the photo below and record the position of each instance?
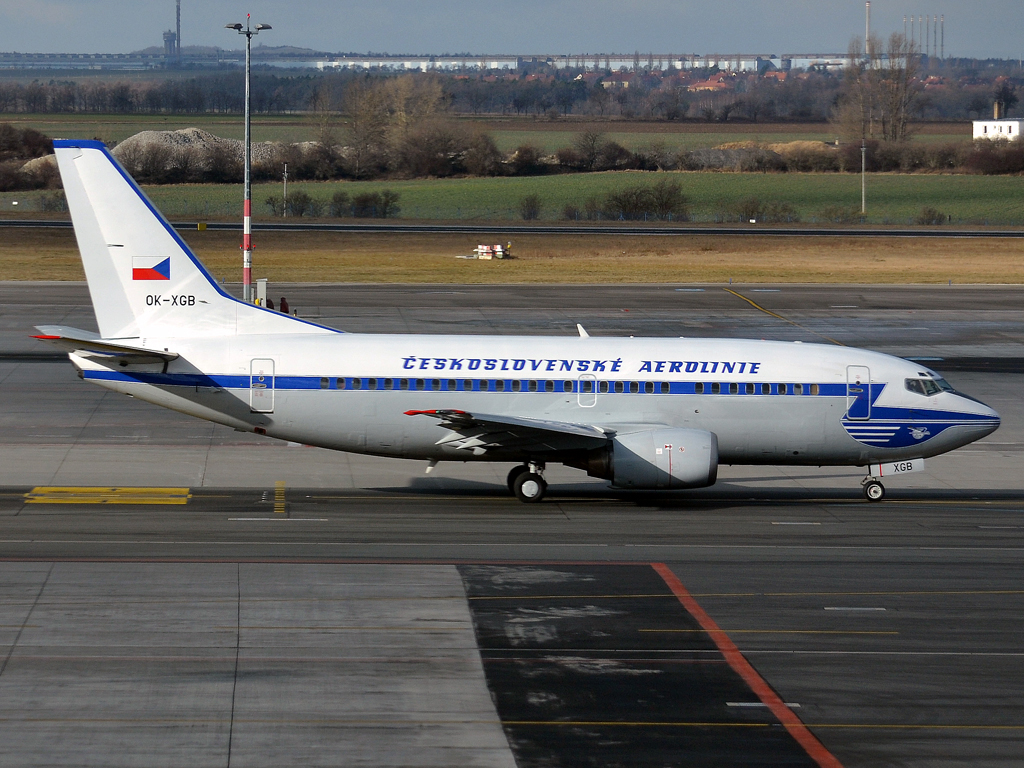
(247, 204)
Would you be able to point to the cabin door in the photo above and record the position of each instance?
(858, 392)
(261, 386)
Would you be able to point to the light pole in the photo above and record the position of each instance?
(863, 176)
(247, 205)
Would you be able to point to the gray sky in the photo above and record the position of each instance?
(980, 28)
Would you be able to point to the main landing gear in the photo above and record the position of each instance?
(526, 482)
(873, 489)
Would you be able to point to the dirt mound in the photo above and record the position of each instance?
(193, 138)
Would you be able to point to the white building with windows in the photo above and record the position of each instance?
(998, 129)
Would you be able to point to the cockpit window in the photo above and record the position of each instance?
(927, 387)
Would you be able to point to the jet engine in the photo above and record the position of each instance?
(656, 459)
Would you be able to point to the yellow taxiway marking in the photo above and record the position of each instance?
(279, 497)
(755, 305)
(97, 495)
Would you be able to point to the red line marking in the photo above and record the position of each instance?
(743, 668)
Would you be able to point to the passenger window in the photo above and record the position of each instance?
(814, 389)
(389, 384)
(435, 385)
(664, 388)
(567, 386)
(699, 387)
(798, 389)
(467, 385)
(602, 386)
(716, 388)
(532, 386)
(766, 389)
(586, 386)
(325, 383)
(357, 383)
(403, 384)
(734, 389)
(452, 385)
(420, 385)
(783, 389)
(549, 386)
(634, 387)
(618, 386)
(499, 385)
(750, 388)
(649, 387)
(516, 385)
(371, 383)
(339, 383)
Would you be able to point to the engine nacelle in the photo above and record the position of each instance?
(664, 459)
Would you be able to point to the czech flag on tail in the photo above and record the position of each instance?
(151, 268)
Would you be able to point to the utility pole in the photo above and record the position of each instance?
(247, 203)
(284, 208)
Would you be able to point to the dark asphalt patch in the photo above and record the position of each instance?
(594, 665)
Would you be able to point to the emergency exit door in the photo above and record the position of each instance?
(261, 386)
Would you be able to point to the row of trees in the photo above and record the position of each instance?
(810, 96)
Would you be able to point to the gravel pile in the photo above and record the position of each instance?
(196, 138)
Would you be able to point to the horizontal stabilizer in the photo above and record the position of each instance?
(91, 345)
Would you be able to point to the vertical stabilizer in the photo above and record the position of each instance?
(143, 279)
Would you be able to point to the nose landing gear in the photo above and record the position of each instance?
(873, 489)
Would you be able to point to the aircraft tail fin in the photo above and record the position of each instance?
(144, 280)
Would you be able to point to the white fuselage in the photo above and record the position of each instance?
(768, 402)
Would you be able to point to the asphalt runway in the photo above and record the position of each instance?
(177, 593)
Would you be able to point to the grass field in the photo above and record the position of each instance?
(508, 132)
(892, 198)
(34, 254)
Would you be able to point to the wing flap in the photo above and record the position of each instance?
(488, 433)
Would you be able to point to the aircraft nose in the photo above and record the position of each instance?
(988, 418)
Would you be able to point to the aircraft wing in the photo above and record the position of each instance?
(90, 344)
(482, 433)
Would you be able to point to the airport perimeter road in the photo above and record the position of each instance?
(564, 229)
(175, 593)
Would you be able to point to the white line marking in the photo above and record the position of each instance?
(850, 608)
(284, 519)
(787, 523)
(791, 705)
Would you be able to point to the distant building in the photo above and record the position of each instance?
(998, 129)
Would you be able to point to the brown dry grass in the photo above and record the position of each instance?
(33, 254)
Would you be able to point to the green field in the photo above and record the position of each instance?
(508, 133)
(892, 198)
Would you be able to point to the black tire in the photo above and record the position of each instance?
(874, 491)
(530, 487)
(513, 475)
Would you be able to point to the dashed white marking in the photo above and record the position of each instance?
(791, 705)
(783, 522)
(850, 608)
(284, 519)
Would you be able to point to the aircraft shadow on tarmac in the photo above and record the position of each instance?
(724, 494)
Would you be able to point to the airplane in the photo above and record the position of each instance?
(642, 413)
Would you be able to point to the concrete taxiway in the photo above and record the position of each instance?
(248, 602)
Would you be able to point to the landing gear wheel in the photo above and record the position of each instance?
(874, 490)
(513, 475)
(529, 487)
